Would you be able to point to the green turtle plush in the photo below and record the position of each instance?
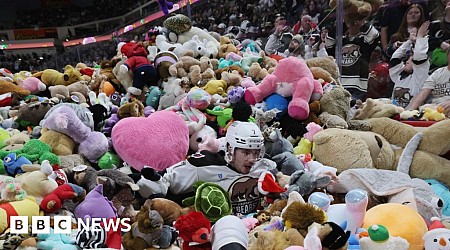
(210, 199)
(34, 150)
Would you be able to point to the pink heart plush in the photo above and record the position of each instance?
(158, 141)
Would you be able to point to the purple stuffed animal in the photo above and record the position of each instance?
(92, 144)
(95, 205)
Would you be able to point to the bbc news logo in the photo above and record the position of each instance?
(63, 224)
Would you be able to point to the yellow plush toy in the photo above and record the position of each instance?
(216, 87)
(430, 114)
(21, 75)
(27, 207)
(400, 220)
(54, 77)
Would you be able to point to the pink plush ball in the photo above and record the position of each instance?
(158, 141)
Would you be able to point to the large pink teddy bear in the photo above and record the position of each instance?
(291, 77)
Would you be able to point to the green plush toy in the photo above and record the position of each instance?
(4, 135)
(223, 115)
(109, 161)
(2, 168)
(35, 150)
(210, 199)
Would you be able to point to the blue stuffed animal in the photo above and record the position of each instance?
(442, 191)
(13, 164)
(55, 241)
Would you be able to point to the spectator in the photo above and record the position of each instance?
(305, 27)
(221, 28)
(279, 41)
(439, 11)
(391, 19)
(296, 47)
(314, 11)
(440, 37)
(412, 20)
(435, 90)
(317, 47)
(358, 42)
(409, 72)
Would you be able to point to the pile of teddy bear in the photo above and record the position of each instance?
(81, 143)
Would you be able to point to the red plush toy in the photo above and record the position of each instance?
(194, 228)
(53, 202)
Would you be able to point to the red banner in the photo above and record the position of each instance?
(29, 34)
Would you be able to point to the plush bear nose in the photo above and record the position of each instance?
(203, 236)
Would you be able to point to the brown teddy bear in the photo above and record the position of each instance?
(276, 240)
(182, 67)
(232, 79)
(131, 109)
(60, 143)
(267, 62)
(226, 46)
(65, 93)
(229, 69)
(145, 231)
(256, 72)
(358, 9)
(346, 149)
(169, 210)
(314, 112)
(9, 87)
(318, 65)
(376, 108)
(106, 68)
(194, 74)
(334, 110)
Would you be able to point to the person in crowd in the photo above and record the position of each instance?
(296, 47)
(440, 39)
(313, 11)
(412, 20)
(242, 164)
(305, 27)
(391, 19)
(409, 72)
(358, 42)
(435, 90)
(253, 27)
(295, 9)
(221, 28)
(279, 41)
(316, 46)
(439, 11)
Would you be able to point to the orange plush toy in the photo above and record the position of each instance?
(194, 228)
